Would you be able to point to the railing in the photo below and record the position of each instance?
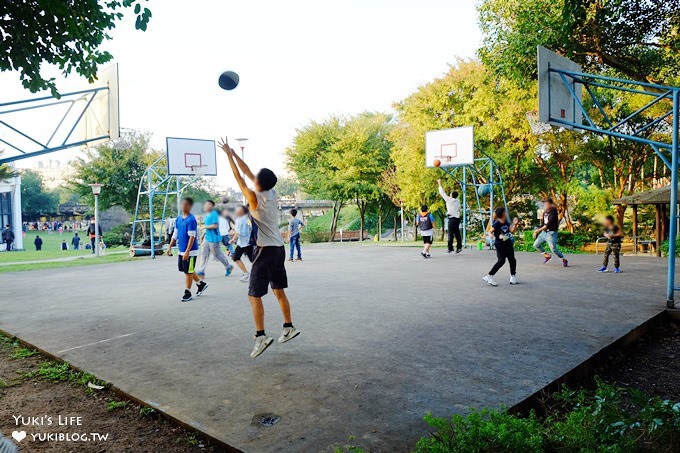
(636, 240)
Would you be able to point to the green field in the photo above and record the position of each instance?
(51, 255)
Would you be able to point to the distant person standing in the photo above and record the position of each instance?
(425, 222)
(547, 233)
(93, 234)
(8, 237)
(64, 245)
(75, 242)
(38, 242)
(614, 236)
(453, 214)
(294, 227)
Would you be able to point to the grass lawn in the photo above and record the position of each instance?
(51, 251)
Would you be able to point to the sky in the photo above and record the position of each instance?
(298, 61)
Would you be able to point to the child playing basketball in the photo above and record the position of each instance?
(502, 231)
(184, 236)
(270, 257)
(425, 223)
(241, 237)
(613, 234)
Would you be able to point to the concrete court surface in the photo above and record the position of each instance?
(386, 337)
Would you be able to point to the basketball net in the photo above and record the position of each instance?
(537, 127)
(199, 170)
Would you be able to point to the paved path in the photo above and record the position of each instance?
(387, 337)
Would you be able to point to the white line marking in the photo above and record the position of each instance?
(96, 342)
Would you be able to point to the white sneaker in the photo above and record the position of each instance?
(245, 278)
(288, 334)
(261, 343)
(489, 279)
(513, 280)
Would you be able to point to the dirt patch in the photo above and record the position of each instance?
(68, 416)
(651, 364)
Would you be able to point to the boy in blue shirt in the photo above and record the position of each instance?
(212, 241)
(185, 237)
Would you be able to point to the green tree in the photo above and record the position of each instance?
(638, 39)
(118, 165)
(342, 159)
(467, 95)
(36, 200)
(287, 187)
(6, 171)
(65, 33)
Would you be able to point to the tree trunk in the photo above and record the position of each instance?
(620, 213)
(396, 220)
(337, 206)
(361, 204)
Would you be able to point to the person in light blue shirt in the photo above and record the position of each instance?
(243, 228)
(212, 241)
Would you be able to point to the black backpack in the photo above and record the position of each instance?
(424, 222)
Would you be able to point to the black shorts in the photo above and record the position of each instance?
(428, 239)
(240, 251)
(186, 266)
(268, 269)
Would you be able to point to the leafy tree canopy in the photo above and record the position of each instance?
(64, 33)
(118, 165)
(36, 200)
(638, 39)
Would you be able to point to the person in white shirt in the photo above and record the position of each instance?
(453, 214)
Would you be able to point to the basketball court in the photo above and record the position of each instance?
(386, 337)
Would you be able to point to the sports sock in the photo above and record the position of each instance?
(259, 333)
(287, 324)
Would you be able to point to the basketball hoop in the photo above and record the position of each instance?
(537, 127)
(199, 170)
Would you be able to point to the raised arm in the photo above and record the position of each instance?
(243, 166)
(247, 191)
(441, 191)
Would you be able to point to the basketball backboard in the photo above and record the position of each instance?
(191, 157)
(555, 100)
(41, 125)
(451, 147)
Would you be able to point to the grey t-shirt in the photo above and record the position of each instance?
(294, 226)
(267, 218)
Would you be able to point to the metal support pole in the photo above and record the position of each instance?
(464, 190)
(96, 225)
(673, 224)
(151, 232)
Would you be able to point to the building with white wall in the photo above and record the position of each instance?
(10, 209)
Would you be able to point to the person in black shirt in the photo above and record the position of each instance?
(38, 242)
(547, 233)
(504, 241)
(8, 238)
(613, 234)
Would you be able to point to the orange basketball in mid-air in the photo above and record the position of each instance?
(437, 162)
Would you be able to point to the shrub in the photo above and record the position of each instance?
(119, 235)
(608, 419)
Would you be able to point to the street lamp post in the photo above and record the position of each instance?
(242, 145)
(96, 190)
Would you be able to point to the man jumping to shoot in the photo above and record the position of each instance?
(269, 258)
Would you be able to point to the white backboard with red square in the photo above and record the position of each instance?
(189, 156)
(450, 147)
(555, 100)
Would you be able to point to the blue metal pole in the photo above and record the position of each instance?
(151, 233)
(673, 227)
(464, 187)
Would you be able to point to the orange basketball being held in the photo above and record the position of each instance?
(437, 162)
